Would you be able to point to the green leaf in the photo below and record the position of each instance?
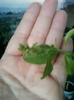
(49, 67)
(21, 47)
(69, 35)
(69, 65)
(37, 54)
(35, 58)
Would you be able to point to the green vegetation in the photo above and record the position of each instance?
(8, 23)
(4, 34)
(9, 13)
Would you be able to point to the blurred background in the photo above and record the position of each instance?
(11, 12)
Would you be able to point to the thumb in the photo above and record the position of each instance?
(59, 69)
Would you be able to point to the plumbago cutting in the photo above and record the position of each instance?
(44, 54)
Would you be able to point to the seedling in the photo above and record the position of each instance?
(44, 54)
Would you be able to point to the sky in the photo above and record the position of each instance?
(19, 3)
(24, 3)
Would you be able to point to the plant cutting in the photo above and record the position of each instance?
(44, 54)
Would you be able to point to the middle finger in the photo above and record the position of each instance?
(57, 29)
(42, 25)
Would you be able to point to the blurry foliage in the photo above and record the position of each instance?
(9, 13)
(4, 35)
(13, 21)
(7, 26)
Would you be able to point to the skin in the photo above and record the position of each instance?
(42, 25)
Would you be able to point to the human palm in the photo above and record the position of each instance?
(41, 25)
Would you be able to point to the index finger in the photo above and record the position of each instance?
(24, 29)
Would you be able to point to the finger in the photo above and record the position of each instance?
(24, 29)
(42, 25)
(59, 69)
(57, 29)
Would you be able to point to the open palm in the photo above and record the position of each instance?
(41, 25)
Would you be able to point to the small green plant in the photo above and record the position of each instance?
(44, 54)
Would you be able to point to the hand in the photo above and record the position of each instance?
(41, 25)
